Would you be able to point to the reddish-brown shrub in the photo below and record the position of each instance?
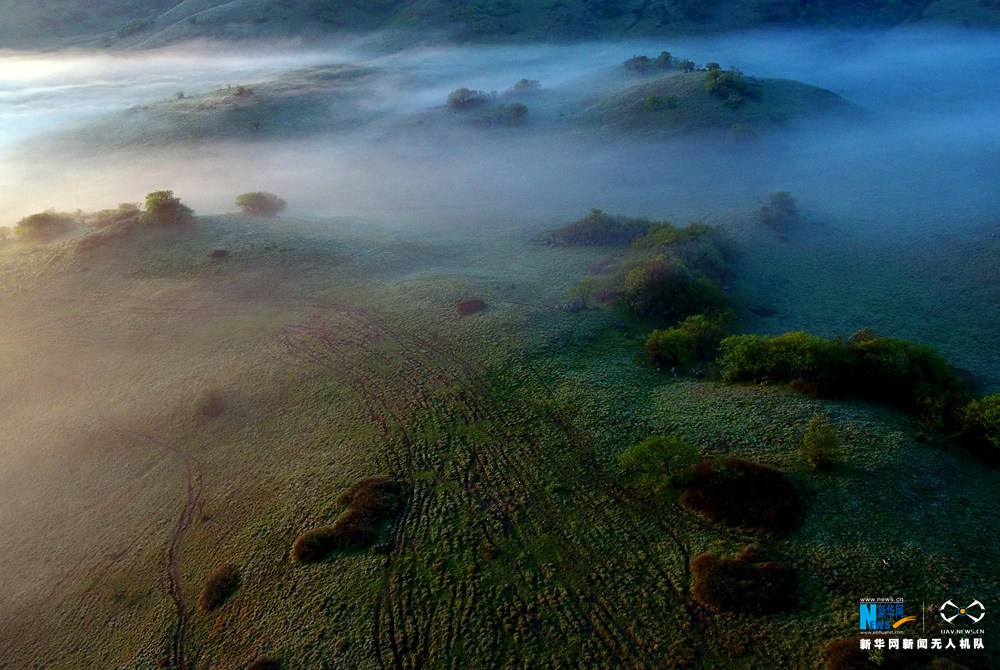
(369, 503)
(223, 582)
(741, 585)
(470, 306)
(736, 492)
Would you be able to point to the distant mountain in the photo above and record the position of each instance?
(142, 23)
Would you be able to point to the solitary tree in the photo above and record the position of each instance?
(163, 208)
(260, 203)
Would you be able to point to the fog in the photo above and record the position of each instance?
(927, 153)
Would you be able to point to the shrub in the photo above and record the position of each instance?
(708, 329)
(821, 443)
(260, 203)
(686, 65)
(980, 424)
(465, 98)
(900, 373)
(740, 585)
(726, 84)
(209, 403)
(163, 208)
(222, 584)
(505, 115)
(599, 228)
(470, 306)
(672, 347)
(126, 212)
(525, 86)
(669, 289)
(659, 466)
(780, 210)
(369, 503)
(44, 226)
(737, 492)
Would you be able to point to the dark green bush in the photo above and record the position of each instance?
(736, 492)
(708, 330)
(44, 226)
(741, 585)
(222, 584)
(165, 209)
(673, 346)
(979, 425)
(669, 289)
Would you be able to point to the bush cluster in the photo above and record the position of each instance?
(730, 85)
(741, 585)
(740, 493)
(368, 504)
(900, 373)
(668, 272)
(599, 229)
(695, 337)
(644, 64)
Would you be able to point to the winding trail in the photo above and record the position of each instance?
(176, 651)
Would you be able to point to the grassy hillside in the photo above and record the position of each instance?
(336, 353)
(679, 103)
(155, 22)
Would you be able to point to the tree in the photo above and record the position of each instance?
(821, 443)
(260, 203)
(163, 208)
(659, 466)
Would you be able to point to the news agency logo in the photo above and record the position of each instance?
(884, 615)
(974, 611)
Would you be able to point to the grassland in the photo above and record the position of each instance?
(338, 353)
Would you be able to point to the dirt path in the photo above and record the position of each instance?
(176, 651)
